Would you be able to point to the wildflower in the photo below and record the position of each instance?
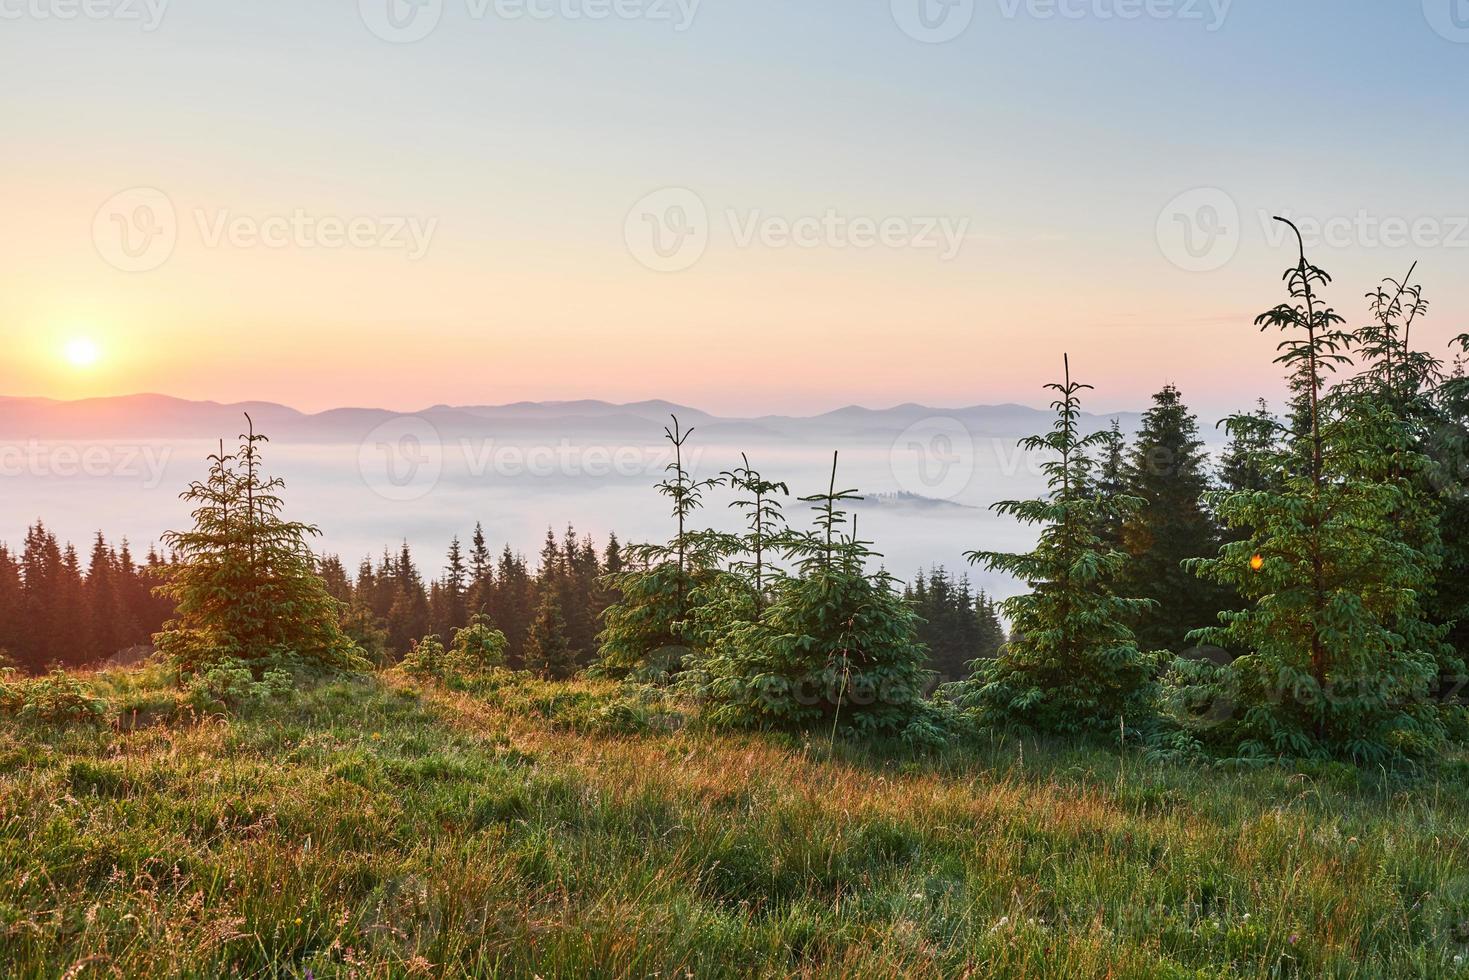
(377, 736)
(298, 920)
(1294, 938)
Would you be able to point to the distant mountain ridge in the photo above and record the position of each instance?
(152, 416)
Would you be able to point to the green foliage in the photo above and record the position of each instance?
(643, 632)
(227, 686)
(548, 653)
(246, 584)
(1448, 449)
(58, 698)
(1165, 470)
(480, 645)
(834, 647)
(1340, 663)
(955, 626)
(428, 657)
(1073, 664)
(476, 648)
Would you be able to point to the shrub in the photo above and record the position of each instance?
(477, 648)
(427, 657)
(58, 698)
(479, 645)
(231, 685)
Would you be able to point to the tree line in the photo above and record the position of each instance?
(1310, 601)
(56, 608)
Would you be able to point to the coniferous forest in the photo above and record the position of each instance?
(1209, 732)
(1299, 597)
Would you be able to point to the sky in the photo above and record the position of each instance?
(750, 206)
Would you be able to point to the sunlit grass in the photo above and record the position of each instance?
(377, 827)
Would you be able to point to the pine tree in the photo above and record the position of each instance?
(949, 626)
(834, 646)
(104, 621)
(991, 631)
(1074, 665)
(1166, 470)
(44, 619)
(69, 605)
(1399, 385)
(1252, 440)
(1449, 449)
(514, 603)
(548, 653)
(408, 616)
(334, 576)
(1328, 576)
(12, 609)
(481, 573)
(645, 632)
(1112, 481)
(453, 602)
(246, 586)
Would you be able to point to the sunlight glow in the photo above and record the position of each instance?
(82, 352)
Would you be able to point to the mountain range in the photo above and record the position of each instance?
(164, 417)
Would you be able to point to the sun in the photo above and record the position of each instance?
(82, 352)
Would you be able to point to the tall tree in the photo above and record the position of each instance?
(645, 632)
(1166, 470)
(548, 653)
(1074, 665)
(481, 572)
(1328, 577)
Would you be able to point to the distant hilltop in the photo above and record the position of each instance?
(166, 417)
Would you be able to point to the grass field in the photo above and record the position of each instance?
(380, 826)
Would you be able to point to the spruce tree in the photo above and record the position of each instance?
(645, 632)
(1166, 470)
(105, 614)
(834, 647)
(1449, 448)
(991, 632)
(453, 605)
(1074, 666)
(481, 572)
(1329, 579)
(245, 586)
(1111, 481)
(548, 653)
(12, 608)
(408, 615)
(514, 604)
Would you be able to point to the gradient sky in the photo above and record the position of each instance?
(1061, 140)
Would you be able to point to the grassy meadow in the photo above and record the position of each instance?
(385, 826)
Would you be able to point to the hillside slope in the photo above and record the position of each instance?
(382, 827)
